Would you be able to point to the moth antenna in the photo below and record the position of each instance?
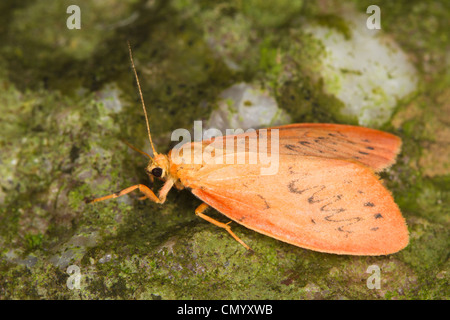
(137, 150)
(142, 99)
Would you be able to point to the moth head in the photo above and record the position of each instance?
(158, 166)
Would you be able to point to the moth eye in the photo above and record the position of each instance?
(157, 172)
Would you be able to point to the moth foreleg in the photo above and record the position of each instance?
(148, 193)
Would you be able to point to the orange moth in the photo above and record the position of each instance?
(324, 196)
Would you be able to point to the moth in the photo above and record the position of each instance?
(325, 196)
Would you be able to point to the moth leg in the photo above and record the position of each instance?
(148, 193)
(199, 212)
(179, 186)
(162, 193)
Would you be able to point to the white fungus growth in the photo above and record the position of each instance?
(368, 72)
(245, 106)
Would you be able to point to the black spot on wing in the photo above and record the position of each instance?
(331, 207)
(265, 201)
(349, 221)
(314, 198)
(369, 204)
(304, 143)
(294, 189)
(291, 147)
(337, 134)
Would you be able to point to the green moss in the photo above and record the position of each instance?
(336, 22)
(34, 241)
(265, 14)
